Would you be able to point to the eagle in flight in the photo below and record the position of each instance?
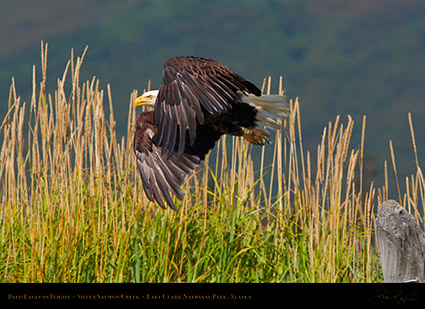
(198, 101)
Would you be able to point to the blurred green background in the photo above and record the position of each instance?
(339, 57)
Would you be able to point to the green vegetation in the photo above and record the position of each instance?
(72, 207)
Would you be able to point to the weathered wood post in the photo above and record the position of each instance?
(401, 244)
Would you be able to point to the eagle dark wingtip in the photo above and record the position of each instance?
(173, 207)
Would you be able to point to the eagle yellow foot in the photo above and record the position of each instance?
(257, 137)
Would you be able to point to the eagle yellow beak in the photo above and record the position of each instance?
(141, 101)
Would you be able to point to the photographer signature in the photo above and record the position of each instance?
(396, 296)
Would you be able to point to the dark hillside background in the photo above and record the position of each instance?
(339, 57)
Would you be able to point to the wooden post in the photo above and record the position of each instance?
(401, 244)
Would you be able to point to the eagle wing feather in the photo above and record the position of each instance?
(190, 86)
(159, 174)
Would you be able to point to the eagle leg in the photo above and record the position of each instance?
(257, 137)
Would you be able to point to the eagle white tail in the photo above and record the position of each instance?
(270, 108)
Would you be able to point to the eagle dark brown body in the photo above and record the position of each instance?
(199, 100)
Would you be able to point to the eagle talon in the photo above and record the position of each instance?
(257, 137)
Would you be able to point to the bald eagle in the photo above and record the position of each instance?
(198, 101)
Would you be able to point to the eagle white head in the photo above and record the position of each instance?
(148, 98)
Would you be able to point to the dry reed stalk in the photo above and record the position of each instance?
(417, 183)
(395, 171)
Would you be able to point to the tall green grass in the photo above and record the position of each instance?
(72, 207)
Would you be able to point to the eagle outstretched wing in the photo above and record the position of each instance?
(191, 86)
(160, 174)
